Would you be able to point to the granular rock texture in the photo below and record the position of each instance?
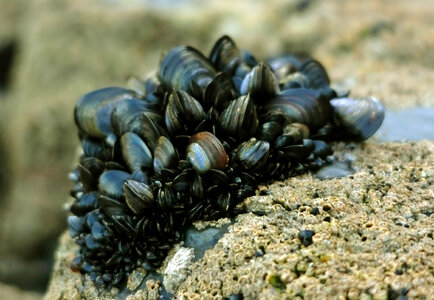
(373, 237)
(373, 234)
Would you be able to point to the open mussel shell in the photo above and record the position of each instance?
(165, 155)
(253, 154)
(359, 118)
(304, 106)
(183, 113)
(206, 152)
(260, 83)
(225, 56)
(135, 152)
(92, 112)
(239, 119)
(184, 67)
(110, 182)
(138, 196)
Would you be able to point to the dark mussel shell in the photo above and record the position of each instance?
(260, 83)
(183, 113)
(89, 169)
(151, 131)
(206, 152)
(283, 65)
(138, 196)
(127, 116)
(357, 119)
(92, 112)
(304, 106)
(185, 68)
(165, 155)
(96, 148)
(225, 56)
(294, 81)
(316, 73)
(111, 182)
(219, 92)
(253, 154)
(239, 119)
(86, 203)
(293, 133)
(135, 152)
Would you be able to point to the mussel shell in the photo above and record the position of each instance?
(89, 169)
(322, 149)
(316, 73)
(239, 119)
(183, 113)
(304, 106)
(76, 226)
(293, 133)
(269, 131)
(138, 196)
(248, 58)
(127, 116)
(294, 80)
(183, 67)
(96, 148)
(151, 131)
(206, 152)
(165, 155)
(260, 83)
(225, 56)
(253, 154)
(285, 64)
(357, 119)
(299, 152)
(219, 92)
(135, 152)
(92, 112)
(85, 204)
(111, 182)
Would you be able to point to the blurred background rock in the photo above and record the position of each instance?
(52, 52)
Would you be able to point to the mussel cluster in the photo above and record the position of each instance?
(191, 143)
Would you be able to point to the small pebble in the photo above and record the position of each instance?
(305, 237)
(236, 297)
(314, 211)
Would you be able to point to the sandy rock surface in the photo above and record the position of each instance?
(373, 236)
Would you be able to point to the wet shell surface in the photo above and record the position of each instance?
(191, 143)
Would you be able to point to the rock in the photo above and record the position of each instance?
(363, 249)
(177, 269)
